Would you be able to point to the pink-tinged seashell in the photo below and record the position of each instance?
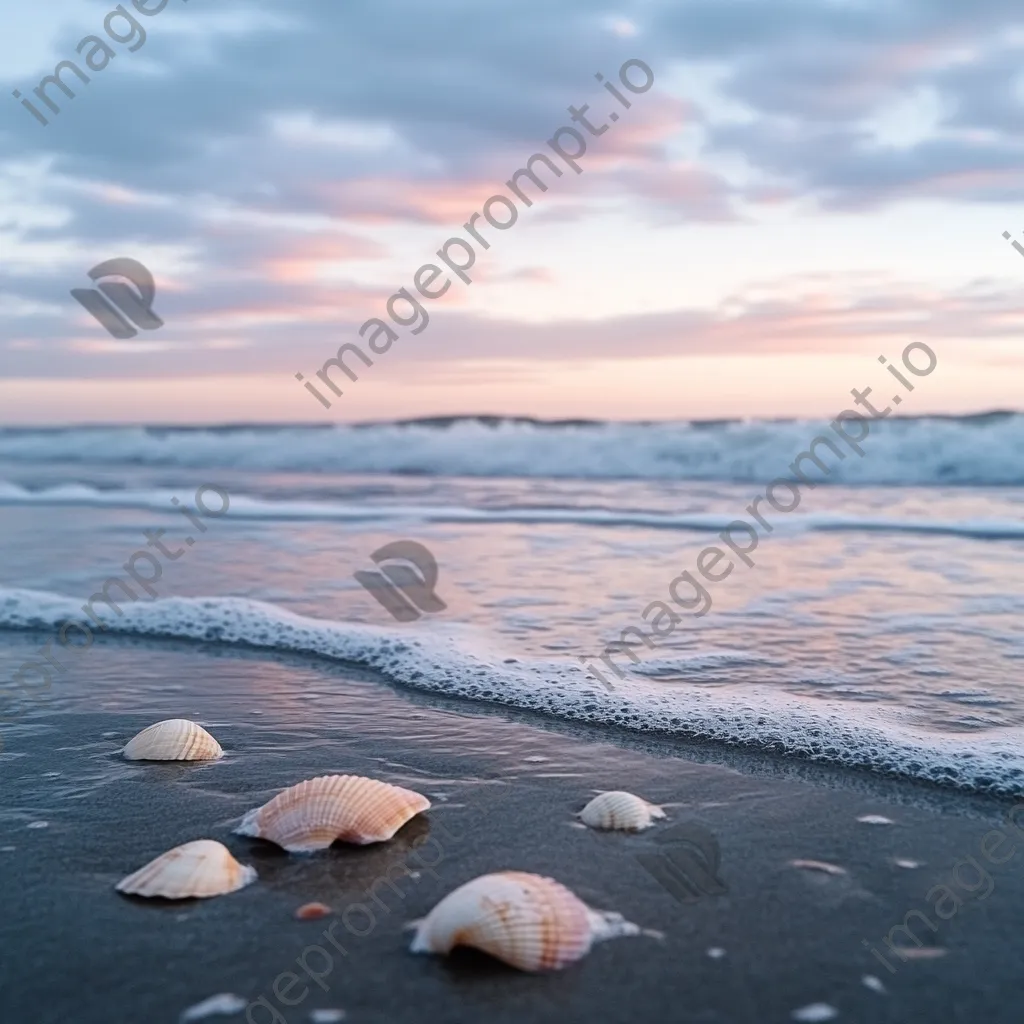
(619, 810)
(527, 921)
(176, 739)
(194, 870)
(313, 814)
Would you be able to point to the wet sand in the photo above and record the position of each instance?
(505, 789)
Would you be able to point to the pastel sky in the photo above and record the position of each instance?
(807, 184)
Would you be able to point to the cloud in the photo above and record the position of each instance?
(276, 167)
(809, 315)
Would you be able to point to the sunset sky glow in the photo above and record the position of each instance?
(807, 185)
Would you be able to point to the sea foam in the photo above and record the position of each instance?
(448, 660)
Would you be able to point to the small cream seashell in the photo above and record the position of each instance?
(313, 814)
(176, 739)
(528, 921)
(194, 870)
(619, 810)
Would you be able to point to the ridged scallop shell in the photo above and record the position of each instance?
(194, 870)
(528, 921)
(313, 814)
(176, 739)
(620, 810)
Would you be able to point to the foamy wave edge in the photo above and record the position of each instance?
(425, 658)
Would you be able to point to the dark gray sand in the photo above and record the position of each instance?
(505, 787)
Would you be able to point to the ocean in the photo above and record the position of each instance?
(877, 630)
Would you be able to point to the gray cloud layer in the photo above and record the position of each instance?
(250, 130)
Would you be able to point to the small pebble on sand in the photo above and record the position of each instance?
(818, 865)
(716, 952)
(873, 983)
(326, 1016)
(924, 953)
(311, 911)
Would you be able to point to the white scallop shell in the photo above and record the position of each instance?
(620, 810)
(528, 921)
(313, 814)
(176, 739)
(194, 870)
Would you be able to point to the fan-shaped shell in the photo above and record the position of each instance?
(176, 739)
(194, 870)
(528, 921)
(620, 810)
(313, 814)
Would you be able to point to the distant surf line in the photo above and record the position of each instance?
(705, 566)
(425, 276)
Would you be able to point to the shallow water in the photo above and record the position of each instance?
(877, 628)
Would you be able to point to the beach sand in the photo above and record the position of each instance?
(505, 788)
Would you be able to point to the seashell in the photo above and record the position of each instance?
(619, 810)
(198, 869)
(313, 814)
(527, 921)
(176, 739)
